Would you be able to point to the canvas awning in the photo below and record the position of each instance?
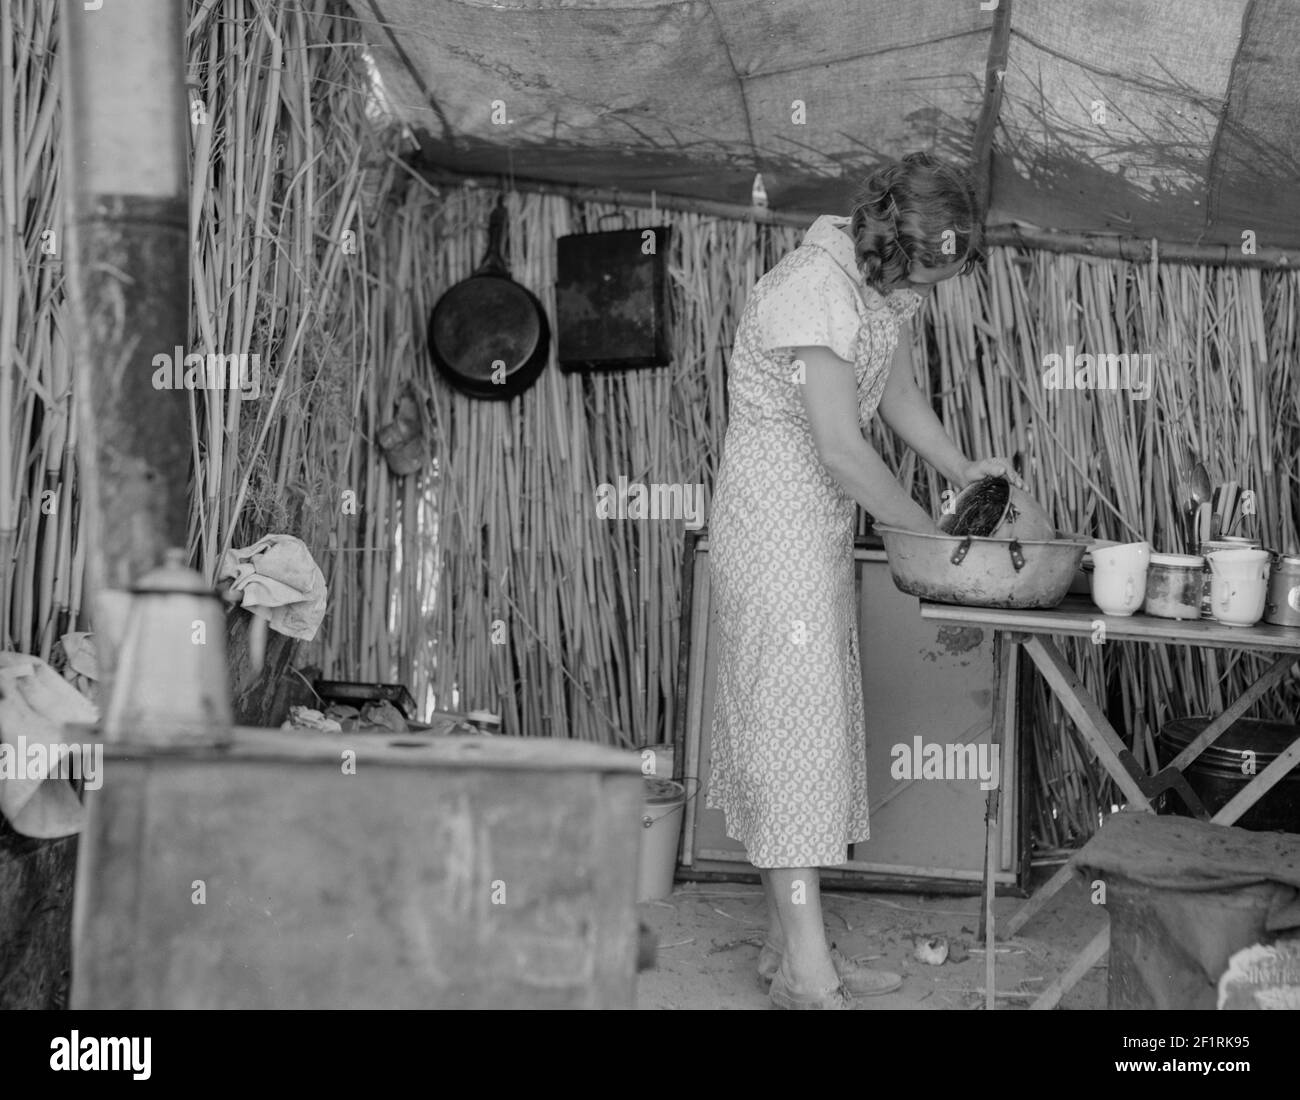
(1168, 118)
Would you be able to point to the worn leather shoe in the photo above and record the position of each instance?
(861, 981)
(782, 996)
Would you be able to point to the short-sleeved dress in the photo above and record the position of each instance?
(788, 735)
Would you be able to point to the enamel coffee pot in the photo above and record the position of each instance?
(172, 684)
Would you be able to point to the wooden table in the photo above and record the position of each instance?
(1032, 632)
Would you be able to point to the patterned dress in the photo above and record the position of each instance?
(789, 735)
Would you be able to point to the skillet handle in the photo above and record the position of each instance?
(494, 261)
(959, 554)
(1017, 555)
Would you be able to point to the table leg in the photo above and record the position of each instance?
(1089, 957)
(1118, 761)
(1091, 722)
(1003, 712)
(990, 864)
(1042, 896)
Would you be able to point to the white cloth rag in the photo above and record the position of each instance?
(280, 582)
(37, 754)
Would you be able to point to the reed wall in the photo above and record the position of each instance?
(488, 579)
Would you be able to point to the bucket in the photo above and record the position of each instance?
(1216, 775)
(656, 761)
(661, 816)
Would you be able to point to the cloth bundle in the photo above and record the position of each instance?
(36, 755)
(279, 581)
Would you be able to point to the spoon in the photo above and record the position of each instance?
(1200, 484)
(1187, 506)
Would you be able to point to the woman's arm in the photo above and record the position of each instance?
(907, 413)
(830, 395)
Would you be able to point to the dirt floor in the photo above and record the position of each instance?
(709, 936)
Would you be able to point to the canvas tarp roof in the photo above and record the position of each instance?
(1178, 119)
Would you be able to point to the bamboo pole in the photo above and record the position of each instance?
(1014, 235)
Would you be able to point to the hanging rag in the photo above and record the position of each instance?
(279, 581)
(38, 754)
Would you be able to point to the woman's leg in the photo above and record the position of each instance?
(775, 936)
(806, 965)
(769, 955)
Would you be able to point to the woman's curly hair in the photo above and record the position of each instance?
(901, 216)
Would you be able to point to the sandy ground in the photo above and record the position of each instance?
(710, 933)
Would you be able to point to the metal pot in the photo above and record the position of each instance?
(1030, 573)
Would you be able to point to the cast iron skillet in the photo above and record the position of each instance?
(489, 323)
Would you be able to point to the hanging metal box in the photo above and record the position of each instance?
(611, 298)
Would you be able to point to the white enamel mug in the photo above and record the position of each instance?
(1119, 577)
(1238, 586)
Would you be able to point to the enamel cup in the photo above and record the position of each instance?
(1238, 586)
(1119, 576)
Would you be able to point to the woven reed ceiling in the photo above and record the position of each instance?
(1171, 118)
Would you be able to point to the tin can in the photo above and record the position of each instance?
(1232, 542)
(1283, 605)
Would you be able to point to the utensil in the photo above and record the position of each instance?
(1231, 498)
(982, 572)
(1187, 510)
(1216, 506)
(1200, 484)
(487, 335)
(1204, 521)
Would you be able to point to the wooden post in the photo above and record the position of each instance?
(127, 227)
(995, 70)
(1003, 691)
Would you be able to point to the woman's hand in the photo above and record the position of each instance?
(990, 467)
